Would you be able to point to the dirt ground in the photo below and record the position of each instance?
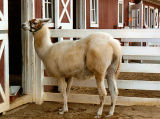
(49, 110)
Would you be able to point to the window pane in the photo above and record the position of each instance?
(120, 12)
(46, 11)
(49, 11)
(93, 16)
(146, 14)
(96, 11)
(138, 16)
(152, 18)
(93, 4)
(133, 18)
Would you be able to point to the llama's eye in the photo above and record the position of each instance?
(35, 23)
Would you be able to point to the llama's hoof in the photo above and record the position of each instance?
(109, 115)
(97, 116)
(61, 112)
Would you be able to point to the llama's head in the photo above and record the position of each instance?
(34, 25)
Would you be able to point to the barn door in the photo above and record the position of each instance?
(4, 73)
(64, 14)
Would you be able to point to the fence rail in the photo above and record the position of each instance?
(116, 33)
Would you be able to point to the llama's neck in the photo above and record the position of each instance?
(42, 41)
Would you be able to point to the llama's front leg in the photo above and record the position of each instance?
(62, 86)
(102, 94)
(112, 85)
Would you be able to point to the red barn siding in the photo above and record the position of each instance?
(1, 5)
(38, 8)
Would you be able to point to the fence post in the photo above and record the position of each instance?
(39, 88)
(126, 44)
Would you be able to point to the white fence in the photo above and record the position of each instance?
(132, 53)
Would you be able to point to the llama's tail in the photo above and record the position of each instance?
(114, 68)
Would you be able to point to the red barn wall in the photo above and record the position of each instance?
(1, 5)
(38, 8)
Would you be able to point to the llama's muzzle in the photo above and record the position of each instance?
(24, 26)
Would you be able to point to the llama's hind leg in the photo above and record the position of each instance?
(62, 86)
(102, 93)
(112, 85)
(69, 85)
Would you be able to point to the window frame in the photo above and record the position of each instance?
(146, 25)
(51, 23)
(122, 23)
(92, 23)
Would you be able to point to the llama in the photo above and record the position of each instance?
(97, 55)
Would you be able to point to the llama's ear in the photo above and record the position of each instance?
(45, 20)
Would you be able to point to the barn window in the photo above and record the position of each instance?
(94, 13)
(146, 16)
(120, 13)
(48, 9)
